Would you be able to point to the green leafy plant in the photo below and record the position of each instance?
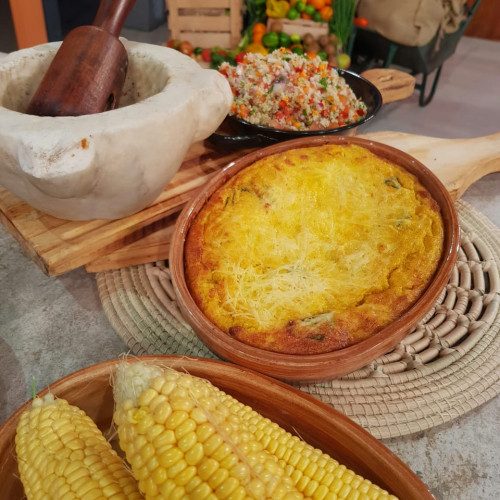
(255, 13)
(341, 22)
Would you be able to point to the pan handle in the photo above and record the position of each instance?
(241, 141)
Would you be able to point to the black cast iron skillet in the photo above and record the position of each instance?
(247, 135)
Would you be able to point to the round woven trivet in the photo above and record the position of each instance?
(448, 365)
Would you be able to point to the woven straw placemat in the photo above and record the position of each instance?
(448, 365)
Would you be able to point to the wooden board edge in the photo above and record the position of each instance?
(26, 247)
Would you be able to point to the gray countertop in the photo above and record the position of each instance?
(52, 326)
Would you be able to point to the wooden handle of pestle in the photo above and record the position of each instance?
(112, 14)
(87, 74)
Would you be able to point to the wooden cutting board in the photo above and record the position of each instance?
(58, 246)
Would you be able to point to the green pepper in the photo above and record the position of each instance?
(393, 182)
(318, 336)
(284, 40)
(322, 55)
(316, 17)
(271, 40)
(217, 57)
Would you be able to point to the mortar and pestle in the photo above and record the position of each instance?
(88, 72)
(96, 127)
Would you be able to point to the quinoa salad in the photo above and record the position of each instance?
(291, 92)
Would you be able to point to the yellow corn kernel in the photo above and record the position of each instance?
(217, 478)
(188, 440)
(62, 453)
(187, 426)
(176, 469)
(147, 396)
(161, 413)
(193, 483)
(207, 468)
(176, 419)
(158, 400)
(195, 454)
(169, 457)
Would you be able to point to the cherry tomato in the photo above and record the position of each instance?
(206, 55)
(361, 22)
(185, 48)
(173, 43)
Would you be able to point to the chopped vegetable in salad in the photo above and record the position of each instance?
(291, 92)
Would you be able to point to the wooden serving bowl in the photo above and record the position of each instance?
(325, 366)
(301, 414)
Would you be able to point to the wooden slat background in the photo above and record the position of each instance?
(207, 23)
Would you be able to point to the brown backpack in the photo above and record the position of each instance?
(412, 22)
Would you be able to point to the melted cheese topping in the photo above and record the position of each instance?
(328, 235)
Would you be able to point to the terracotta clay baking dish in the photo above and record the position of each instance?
(326, 366)
(301, 414)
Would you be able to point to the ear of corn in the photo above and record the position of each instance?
(62, 454)
(184, 438)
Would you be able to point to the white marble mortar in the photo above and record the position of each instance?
(112, 164)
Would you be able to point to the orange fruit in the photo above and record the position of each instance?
(303, 15)
(259, 28)
(317, 4)
(257, 37)
(326, 13)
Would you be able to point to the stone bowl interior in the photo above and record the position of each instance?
(145, 78)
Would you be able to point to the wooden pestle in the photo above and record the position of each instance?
(88, 71)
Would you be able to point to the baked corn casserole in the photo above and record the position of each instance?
(314, 249)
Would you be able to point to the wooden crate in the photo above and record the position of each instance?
(301, 27)
(206, 23)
